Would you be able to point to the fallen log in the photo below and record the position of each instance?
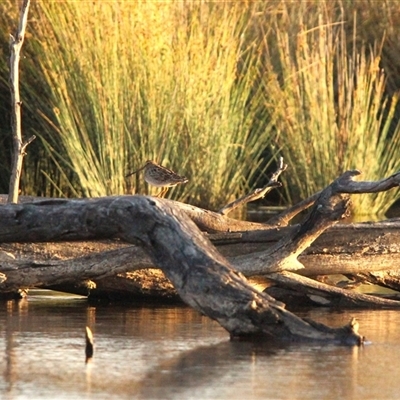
(342, 249)
(127, 272)
(203, 278)
(286, 250)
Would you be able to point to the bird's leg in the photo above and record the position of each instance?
(165, 191)
(162, 193)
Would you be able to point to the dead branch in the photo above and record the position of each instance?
(348, 185)
(213, 222)
(283, 218)
(257, 193)
(18, 145)
(322, 294)
(328, 210)
(39, 273)
(207, 221)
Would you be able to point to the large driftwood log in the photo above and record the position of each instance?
(372, 247)
(342, 249)
(251, 251)
(201, 275)
(126, 271)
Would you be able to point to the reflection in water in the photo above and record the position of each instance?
(175, 353)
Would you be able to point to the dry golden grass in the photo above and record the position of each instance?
(200, 87)
(133, 81)
(330, 106)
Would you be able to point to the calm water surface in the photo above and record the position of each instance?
(174, 353)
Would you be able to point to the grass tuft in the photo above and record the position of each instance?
(331, 110)
(133, 81)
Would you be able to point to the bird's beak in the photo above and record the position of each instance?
(135, 172)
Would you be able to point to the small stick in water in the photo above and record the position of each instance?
(89, 344)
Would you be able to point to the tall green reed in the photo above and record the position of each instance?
(173, 82)
(330, 109)
(108, 85)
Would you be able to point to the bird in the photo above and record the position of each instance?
(159, 176)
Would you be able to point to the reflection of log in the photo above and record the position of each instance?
(203, 278)
(89, 347)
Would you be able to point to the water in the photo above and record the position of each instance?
(172, 352)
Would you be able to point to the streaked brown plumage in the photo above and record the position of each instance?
(157, 175)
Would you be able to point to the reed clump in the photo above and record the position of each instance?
(166, 81)
(327, 96)
(209, 90)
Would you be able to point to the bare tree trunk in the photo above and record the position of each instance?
(18, 145)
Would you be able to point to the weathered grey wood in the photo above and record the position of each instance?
(346, 185)
(93, 218)
(283, 255)
(203, 278)
(343, 249)
(256, 194)
(206, 220)
(326, 295)
(283, 218)
(213, 222)
(39, 273)
(19, 146)
(388, 279)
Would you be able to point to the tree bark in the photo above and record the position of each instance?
(18, 145)
(203, 278)
(317, 293)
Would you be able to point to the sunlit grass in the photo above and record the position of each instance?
(331, 111)
(133, 81)
(198, 87)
